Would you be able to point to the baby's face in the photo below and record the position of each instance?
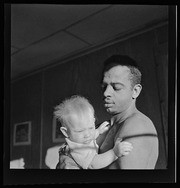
(82, 129)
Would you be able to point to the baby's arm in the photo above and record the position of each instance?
(105, 159)
(102, 129)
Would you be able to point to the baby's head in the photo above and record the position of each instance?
(76, 115)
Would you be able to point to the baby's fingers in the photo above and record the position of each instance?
(124, 144)
(127, 148)
(105, 129)
(104, 124)
(127, 143)
(126, 153)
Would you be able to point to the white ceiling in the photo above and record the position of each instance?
(46, 34)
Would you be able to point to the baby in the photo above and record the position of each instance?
(76, 115)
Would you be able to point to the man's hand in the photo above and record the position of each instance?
(65, 162)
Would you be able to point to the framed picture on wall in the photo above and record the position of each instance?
(56, 132)
(22, 133)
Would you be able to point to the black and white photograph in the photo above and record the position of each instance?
(92, 93)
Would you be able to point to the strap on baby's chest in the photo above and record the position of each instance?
(64, 150)
(75, 161)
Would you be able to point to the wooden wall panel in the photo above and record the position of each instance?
(161, 62)
(142, 49)
(58, 83)
(26, 106)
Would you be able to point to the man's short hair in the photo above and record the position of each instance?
(124, 60)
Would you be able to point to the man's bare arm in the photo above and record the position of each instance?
(143, 155)
(105, 159)
(145, 146)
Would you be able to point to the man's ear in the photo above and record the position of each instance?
(136, 91)
(64, 131)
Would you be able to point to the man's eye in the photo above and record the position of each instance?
(117, 88)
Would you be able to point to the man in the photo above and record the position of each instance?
(121, 85)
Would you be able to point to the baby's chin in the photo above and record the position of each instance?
(87, 141)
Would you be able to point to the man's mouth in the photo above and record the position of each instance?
(108, 105)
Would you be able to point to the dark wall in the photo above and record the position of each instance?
(26, 106)
(34, 97)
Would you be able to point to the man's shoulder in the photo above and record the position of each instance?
(138, 123)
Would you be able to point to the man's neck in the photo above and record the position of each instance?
(120, 117)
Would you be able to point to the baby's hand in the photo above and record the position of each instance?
(103, 127)
(122, 148)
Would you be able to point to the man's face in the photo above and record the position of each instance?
(117, 89)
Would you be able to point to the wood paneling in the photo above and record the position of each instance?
(57, 85)
(142, 49)
(26, 106)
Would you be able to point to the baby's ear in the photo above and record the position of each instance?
(64, 131)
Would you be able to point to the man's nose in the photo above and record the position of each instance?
(108, 91)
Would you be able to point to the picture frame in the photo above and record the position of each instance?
(57, 135)
(22, 133)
